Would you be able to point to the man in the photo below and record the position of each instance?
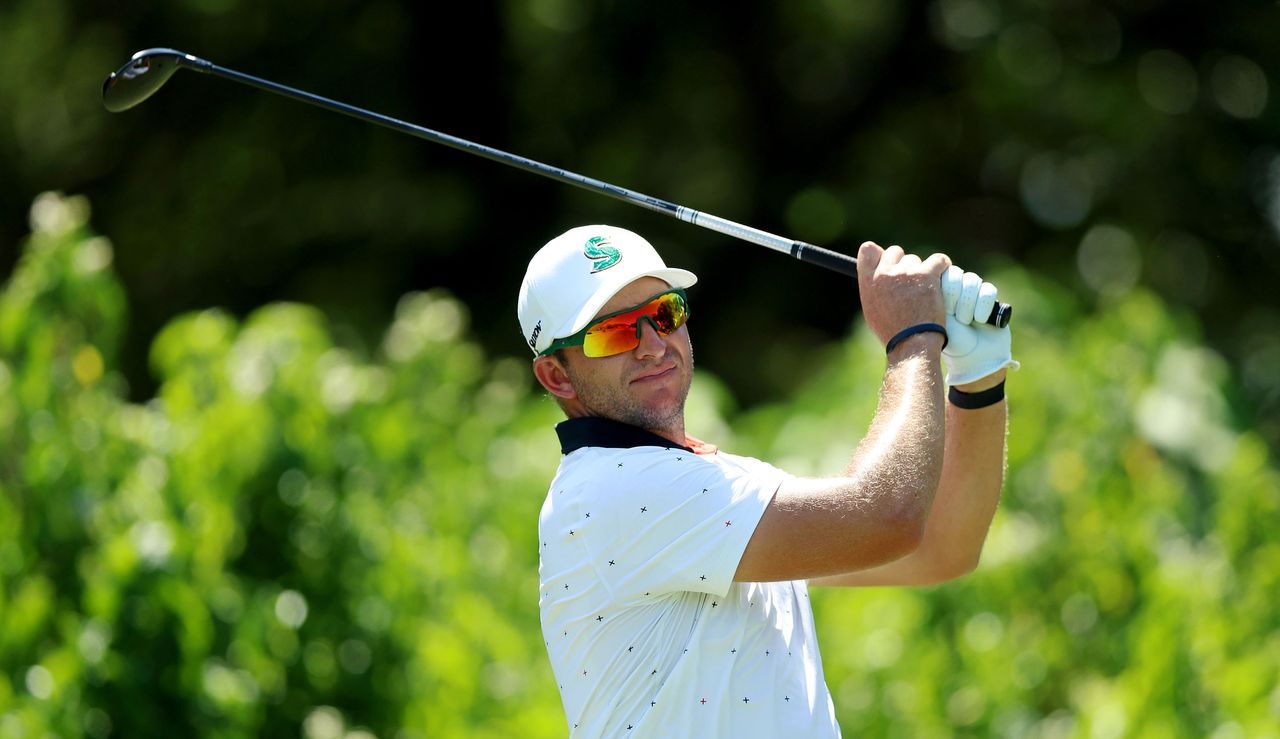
(674, 599)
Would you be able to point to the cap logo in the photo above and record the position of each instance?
(533, 337)
(605, 256)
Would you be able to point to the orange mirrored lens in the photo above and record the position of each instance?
(621, 333)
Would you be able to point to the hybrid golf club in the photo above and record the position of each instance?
(149, 69)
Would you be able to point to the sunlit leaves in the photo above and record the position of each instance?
(293, 538)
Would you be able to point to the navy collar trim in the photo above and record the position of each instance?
(577, 433)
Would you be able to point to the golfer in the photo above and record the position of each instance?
(675, 576)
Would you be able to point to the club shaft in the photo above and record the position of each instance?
(805, 252)
(689, 215)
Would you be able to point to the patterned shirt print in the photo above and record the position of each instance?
(647, 633)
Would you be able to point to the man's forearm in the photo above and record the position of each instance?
(972, 477)
(901, 456)
(876, 512)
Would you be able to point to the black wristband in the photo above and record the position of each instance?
(919, 328)
(980, 399)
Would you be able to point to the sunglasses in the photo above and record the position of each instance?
(620, 332)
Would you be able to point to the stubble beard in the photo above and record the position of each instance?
(615, 403)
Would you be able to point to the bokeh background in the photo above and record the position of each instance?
(271, 457)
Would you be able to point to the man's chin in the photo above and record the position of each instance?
(665, 395)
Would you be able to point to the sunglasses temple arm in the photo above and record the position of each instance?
(832, 260)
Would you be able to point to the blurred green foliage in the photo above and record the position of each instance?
(295, 539)
(317, 517)
(1106, 144)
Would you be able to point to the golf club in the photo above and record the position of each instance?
(149, 69)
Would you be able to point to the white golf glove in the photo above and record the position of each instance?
(974, 349)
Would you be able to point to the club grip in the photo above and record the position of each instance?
(847, 265)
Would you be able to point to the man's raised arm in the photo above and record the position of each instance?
(877, 510)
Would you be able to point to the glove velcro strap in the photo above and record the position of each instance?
(919, 328)
(980, 399)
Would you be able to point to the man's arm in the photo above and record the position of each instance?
(972, 476)
(877, 510)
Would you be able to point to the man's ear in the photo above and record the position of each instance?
(551, 373)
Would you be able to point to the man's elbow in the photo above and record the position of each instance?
(947, 568)
(910, 518)
(959, 568)
(904, 531)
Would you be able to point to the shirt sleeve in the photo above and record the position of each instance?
(673, 521)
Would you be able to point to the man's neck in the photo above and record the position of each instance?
(581, 431)
(674, 433)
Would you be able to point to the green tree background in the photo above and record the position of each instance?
(271, 458)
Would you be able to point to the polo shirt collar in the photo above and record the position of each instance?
(577, 433)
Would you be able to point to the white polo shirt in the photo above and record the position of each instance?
(647, 633)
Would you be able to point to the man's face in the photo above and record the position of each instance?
(644, 387)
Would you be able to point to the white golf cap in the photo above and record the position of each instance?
(572, 277)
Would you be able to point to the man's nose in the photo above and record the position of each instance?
(651, 342)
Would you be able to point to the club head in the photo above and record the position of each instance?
(140, 77)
